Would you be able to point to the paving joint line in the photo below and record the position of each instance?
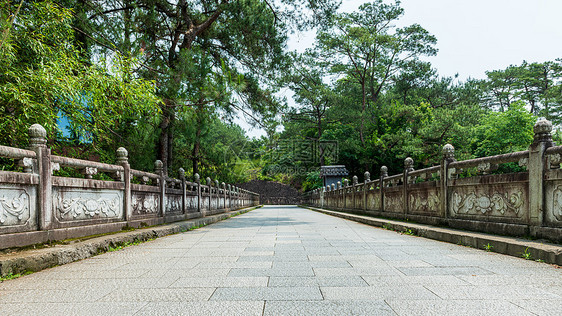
(512, 246)
(34, 260)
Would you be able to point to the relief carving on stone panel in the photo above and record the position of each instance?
(374, 202)
(498, 204)
(14, 207)
(173, 204)
(77, 205)
(393, 204)
(421, 202)
(145, 204)
(557, 203)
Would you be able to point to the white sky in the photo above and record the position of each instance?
(473, 36)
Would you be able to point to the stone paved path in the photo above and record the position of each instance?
(290, 261)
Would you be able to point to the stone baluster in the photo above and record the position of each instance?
(408, 167)
(123, 160)
(197, 179)
(229, 197)
(181, 173)
(38, 143)
(223, 186)
(446, 177)
(161, 181)
(366, 185)
(537, 165)
(209, 188)
(384, 174)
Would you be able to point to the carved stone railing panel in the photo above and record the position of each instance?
(394, 202)
(490, 201)
(191, 204)
(17, 208)
(374, 200)
(553, 198)
(79, 204)
(174, 204)
(145, 204)
(424, 202)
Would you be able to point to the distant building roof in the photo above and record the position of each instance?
(333, 171)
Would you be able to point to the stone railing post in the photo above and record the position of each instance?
(217, 195)
(236, 195)
(408, 167)
(341, 193)
(123, 160)
(209, 188)
(197, 179)
(335, 197)
(537, 164)
(181, 173)
(223, 186)
(38, 143)
(229, 197)
(367, 179)
(355, 184)
(159, 170)
(448, 157)
(384, 174)
(322, 192)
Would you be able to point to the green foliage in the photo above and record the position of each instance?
(166, 83)
(43, 78)
(502, 132)
(12, 276)
(312, 181)
(526, 254)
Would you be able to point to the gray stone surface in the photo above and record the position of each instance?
(289, 261)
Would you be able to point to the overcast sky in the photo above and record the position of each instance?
(473, 36)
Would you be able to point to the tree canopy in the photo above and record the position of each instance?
(166, 80)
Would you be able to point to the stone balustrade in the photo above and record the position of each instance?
(468, 194)
(37, 206)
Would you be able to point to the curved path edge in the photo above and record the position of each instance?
(517, 247)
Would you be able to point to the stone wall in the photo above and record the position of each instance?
(465, 194)
(273, 193)
(37, 207)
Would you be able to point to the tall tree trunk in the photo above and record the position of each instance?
(196, 150)
(171, 139)
(196, 153)
(163, 140)
(319, 131)
(363, 107)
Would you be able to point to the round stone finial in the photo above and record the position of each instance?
(208, 180)
(409, 164)
(333, 186)
(543, 126)
(122, 155)
(355, 180)
(37, 136)
(384, 171)
(367, 176)
(181, 172)
(448, 151)
(223, 185)
(542, 130)
(158, 166)
(216, 183)
(339, 184)
(197, 177)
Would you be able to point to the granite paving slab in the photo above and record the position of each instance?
(289, 261)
